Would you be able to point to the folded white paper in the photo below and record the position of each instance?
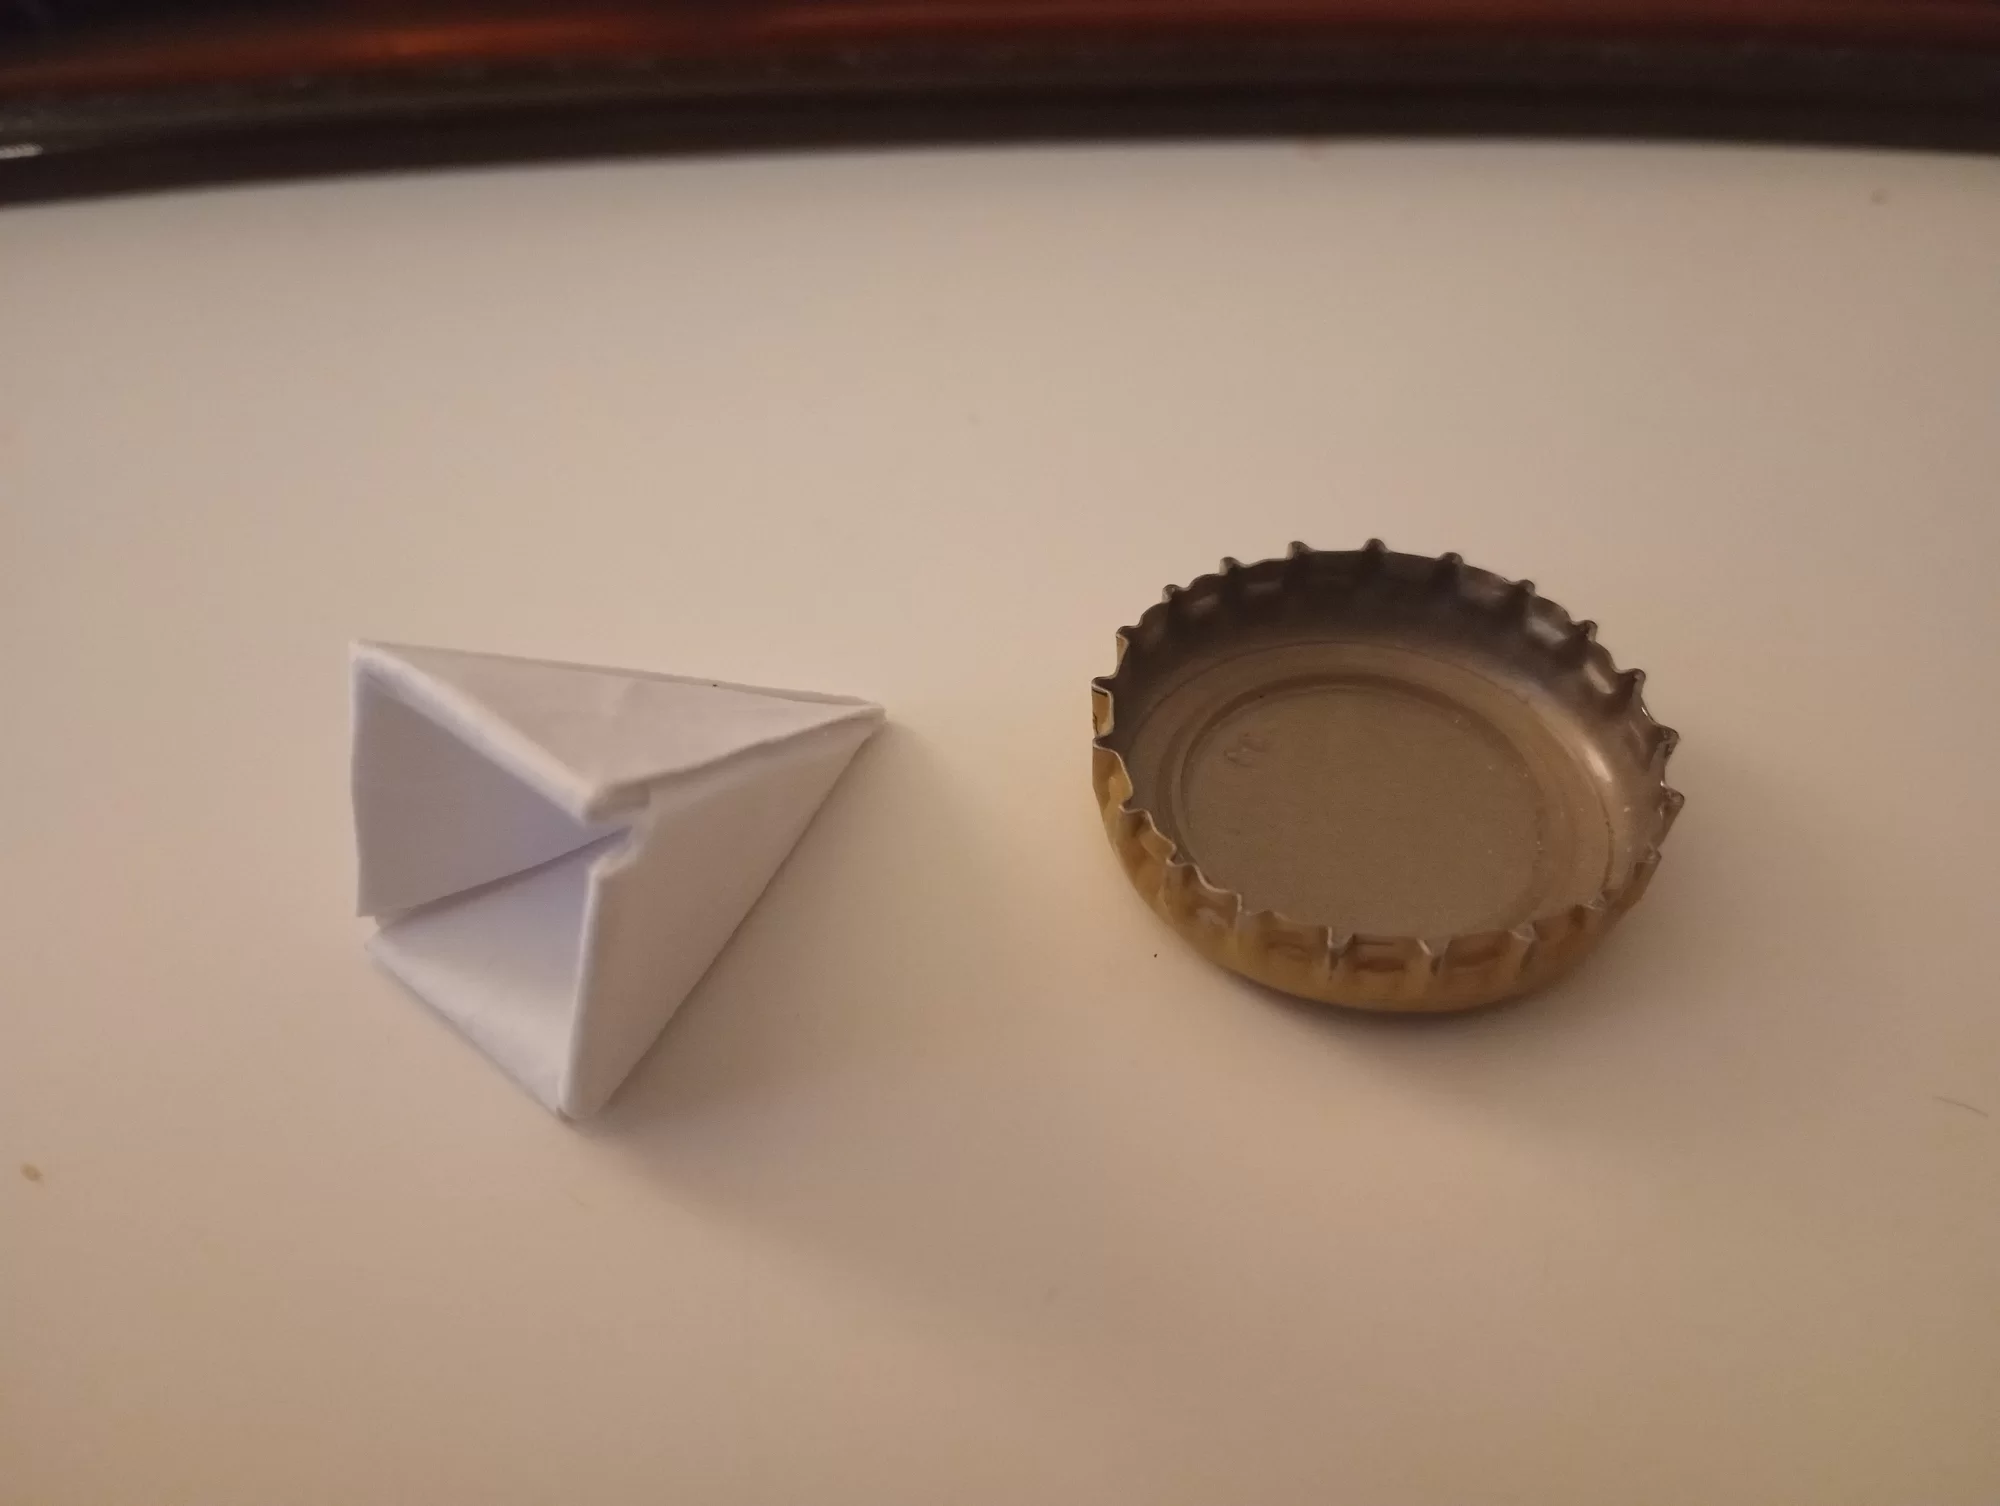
(557, 852)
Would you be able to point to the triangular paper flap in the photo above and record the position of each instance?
(433, 815)
(591, 738)
(501, 964)
(665, 903)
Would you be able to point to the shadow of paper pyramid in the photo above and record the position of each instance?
(557, 852)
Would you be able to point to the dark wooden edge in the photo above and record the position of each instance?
(74, 138)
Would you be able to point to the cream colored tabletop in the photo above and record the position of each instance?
(959, 1179)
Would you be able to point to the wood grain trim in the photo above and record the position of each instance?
(123, 98)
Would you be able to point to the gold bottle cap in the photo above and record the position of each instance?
(1379, 779)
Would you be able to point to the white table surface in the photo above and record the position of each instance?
(959, 1179)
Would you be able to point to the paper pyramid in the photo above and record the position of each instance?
(557, 852)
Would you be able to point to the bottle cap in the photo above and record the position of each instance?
(1379, 779)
